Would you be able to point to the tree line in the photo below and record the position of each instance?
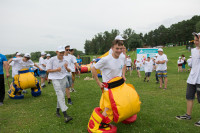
(176, 34)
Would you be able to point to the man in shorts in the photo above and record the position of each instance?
(70, 61)
(78, 68)
(193, 81)
(161, 69)
(42, 64)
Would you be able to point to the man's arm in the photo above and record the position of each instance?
(124, 72)
(37, 66)
(54, 70)
(5, 63)
(94, 72)
(68, 69)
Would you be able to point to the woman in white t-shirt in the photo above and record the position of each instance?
(180, 62)
(129, 64)
(138, 65)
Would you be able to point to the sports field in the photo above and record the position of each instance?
(158, 109)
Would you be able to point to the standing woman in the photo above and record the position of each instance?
(184, 62)
(180, 64)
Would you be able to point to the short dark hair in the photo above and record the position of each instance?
(67, 46)
(71, 50)
(117, 42)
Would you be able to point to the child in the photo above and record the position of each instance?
(138, 65)
(56, 68)
(128, 64)
(180, 62)
(148, 67)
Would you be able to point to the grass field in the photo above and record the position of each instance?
(158, 109)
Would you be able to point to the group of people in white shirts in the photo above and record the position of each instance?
(158, 63)
(182, 62)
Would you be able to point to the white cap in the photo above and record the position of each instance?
(61, 49)
(154, 58)
(48, 55)
(190, 56)
(156, 55)
(43, 53)
(27, 55)
(196, 34)
(128, 55)
(18, 53)
(119, 37)
(93, 60)
(179, 57)
(160, 49)
(138, 60)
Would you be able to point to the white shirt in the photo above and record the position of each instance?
(194, 77)
(138, 64)
(22, 64)
(70, 61)
(15, 66)
(189, 61)
(148, 66)
(55, 63)
(110, 67)
(41, 62)
(72, 64)
(128, 62)
(180, 61)
(161, 67)
(47, 61)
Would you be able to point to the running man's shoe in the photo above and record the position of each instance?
(184, 117)
(68, 118)
(197, 124)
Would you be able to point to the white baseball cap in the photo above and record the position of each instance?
(61, 49)
(93, 60)
(196, 34)
(18, 53)
(190, 56)
(138, 60)
(179, 57)
(27, 55)
(48, 55)
(160, 49)
(43, 53)
(156, 55)
(119, 37)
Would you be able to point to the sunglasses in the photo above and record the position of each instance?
(67, 49)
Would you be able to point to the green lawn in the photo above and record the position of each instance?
(158, 109)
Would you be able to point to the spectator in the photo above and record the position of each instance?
(193, 81)
(184, 62)
(79, 61)
(180, 62)
(3, 64)
(161, 69)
